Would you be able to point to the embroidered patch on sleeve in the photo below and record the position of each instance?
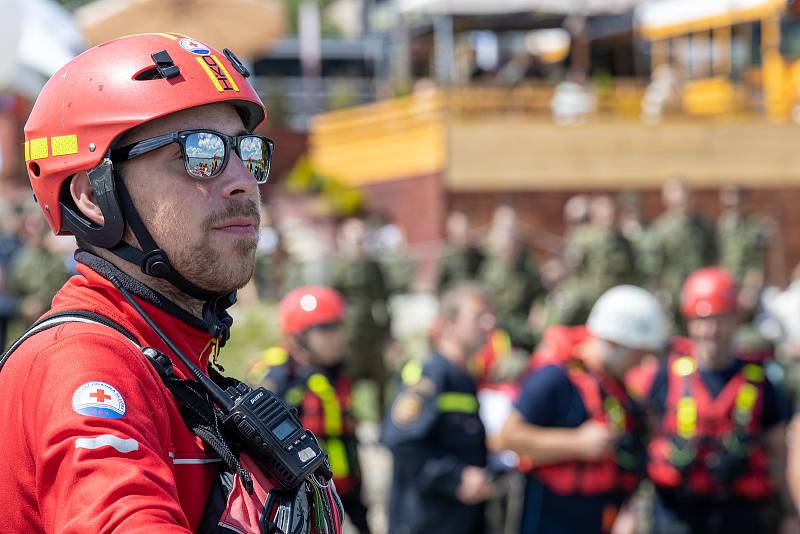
(98, 399)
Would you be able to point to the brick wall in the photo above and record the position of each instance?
(417, 205)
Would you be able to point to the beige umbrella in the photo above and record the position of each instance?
(247, 27)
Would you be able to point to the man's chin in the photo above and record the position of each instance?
(229, 280)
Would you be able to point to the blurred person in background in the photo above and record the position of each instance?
(576, 213)
(635, 229)
(718, 452)
(681, 243)
(575, 422)
(595, 257)
(777, 319)
(386, 242)
(362, 283)
(742, 242)
(434, 431)
(460, 259)
(36, 272)
(562, 302)
(511, 276)
(307, 370)
(11, 223)
(598, 255)
(271, 259)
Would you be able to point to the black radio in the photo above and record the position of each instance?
(257, 419)
(273, 436)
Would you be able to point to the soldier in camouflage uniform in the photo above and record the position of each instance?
(598, 257)
(605, 257)
(511, 276)
(681, 243)
(635, 229)
(362, 283)
(742, 245)
(460, 259)
(563, 299)
(35, 273)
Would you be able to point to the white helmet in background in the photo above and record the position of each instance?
(629, 316)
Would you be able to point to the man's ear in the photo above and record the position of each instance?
(83, 197)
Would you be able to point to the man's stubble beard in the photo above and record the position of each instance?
(215, 271)
(218, 271)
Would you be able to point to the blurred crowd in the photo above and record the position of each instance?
(426, 395)
(34, 264)
(606, 242)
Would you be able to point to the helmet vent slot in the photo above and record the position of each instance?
(164, 68)
(150, 73)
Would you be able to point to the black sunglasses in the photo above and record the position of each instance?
(206, 152)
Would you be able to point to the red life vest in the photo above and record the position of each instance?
(557, 345)
(698, 432)
(326, 411)
(606, 401)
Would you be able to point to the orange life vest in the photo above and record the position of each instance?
(607, 402)
(326, 410)
(711, 445)
(557, 345)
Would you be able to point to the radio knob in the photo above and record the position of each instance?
(247, 429)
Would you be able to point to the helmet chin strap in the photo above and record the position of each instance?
(154, 262)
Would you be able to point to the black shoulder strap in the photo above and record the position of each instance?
(66, 316)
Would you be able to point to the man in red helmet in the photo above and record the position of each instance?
(721, 422)
(119, 150)
(308, 372)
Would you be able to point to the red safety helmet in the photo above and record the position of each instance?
(708, 292)
(309, 306)
(103, 93)
(113, 87)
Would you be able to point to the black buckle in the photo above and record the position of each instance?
(241, 69)
(164, 64)
(160, 361)
(155, 263)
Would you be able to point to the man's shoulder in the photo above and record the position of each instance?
(438, 372)
(72, 348)
(547, 381)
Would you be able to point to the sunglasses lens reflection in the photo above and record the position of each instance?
(205, 153)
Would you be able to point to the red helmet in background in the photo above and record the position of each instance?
(708, 292)
(309, 306)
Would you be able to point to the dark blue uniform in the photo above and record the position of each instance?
(434, 431)
(549, 399)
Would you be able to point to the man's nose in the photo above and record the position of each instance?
(236, 180)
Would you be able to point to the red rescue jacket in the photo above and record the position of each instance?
(697, 430)
(92, 440)
(605, 400)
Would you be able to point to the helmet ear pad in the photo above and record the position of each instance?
(102, 182)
